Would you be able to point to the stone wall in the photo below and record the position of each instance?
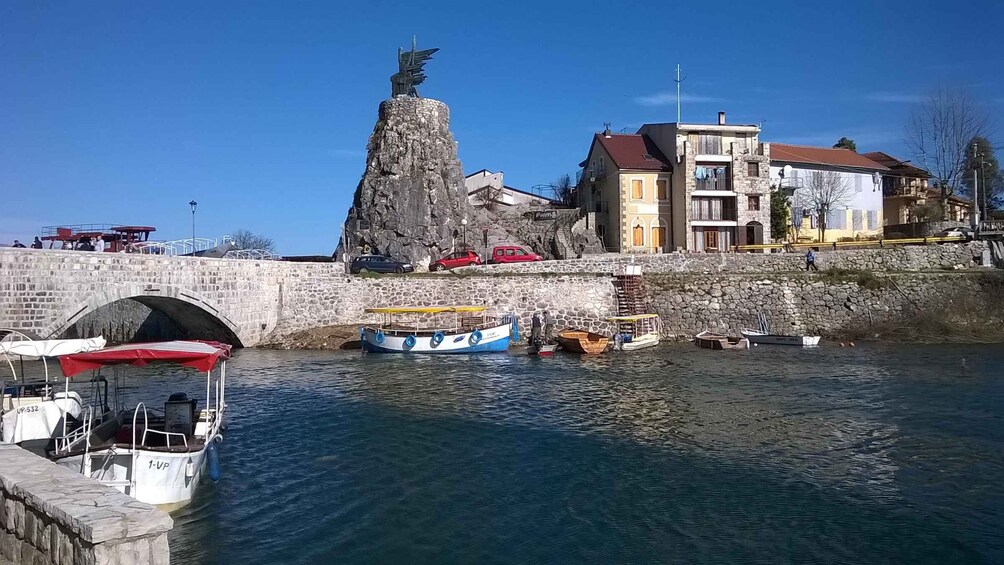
(49, 514)
(892, 258)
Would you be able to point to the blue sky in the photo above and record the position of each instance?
(260, 111)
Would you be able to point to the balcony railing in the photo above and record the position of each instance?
(720, 183)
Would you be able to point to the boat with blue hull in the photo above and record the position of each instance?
(446, 330)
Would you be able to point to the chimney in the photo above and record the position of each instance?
(721, 118)
(606, 132)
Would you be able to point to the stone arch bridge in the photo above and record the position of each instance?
(45, 292)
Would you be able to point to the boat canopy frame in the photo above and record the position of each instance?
(459, 322)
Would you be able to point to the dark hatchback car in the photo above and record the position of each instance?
(378, 264)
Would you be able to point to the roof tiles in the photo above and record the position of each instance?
(822, 156)
(634, 151)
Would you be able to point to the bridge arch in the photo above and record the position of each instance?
(194, 314)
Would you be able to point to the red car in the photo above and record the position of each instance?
(454, 260)
(513, 254)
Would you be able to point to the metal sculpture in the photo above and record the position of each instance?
(409, 74)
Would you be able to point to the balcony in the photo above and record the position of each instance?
(709, 144)
(714, 209)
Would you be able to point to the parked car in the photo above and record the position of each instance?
(456, 259)
(513, 254)
(959, 231)
(378, 264)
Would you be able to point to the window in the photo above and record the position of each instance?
(836, 219)
(753, 202)
(753, 170)
(709, 144)
(858, 183)
(520, 252)
(637, 189)
(711, 178)
(661, 188)
(658, 237)
(510, 252)
(638, 236)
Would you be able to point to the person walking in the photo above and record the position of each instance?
(37, 244)
(810, 260)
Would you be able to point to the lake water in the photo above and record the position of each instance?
(877, 454)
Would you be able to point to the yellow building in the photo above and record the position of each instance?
(626, 190)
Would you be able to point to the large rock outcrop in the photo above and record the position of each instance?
(411, 199)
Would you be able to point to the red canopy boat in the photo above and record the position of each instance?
(201, 355)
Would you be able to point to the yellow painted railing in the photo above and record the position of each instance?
(863, 243)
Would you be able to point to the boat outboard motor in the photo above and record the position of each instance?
(179, 414)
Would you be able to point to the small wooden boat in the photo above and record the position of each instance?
(545, 350)
(636, 332)
(581, 341)
(709, 340)
(764, 336)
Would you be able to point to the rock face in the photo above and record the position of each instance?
(411, 199)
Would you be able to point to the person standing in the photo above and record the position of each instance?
(37, 244)
(535, 330)
(810, 260)
(18, 244)
(548, 327)
(99, 245)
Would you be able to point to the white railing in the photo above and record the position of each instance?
(256, 254)
(180, 246)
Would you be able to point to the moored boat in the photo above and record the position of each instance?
(636, 332)
(763, 336)
(581, 341)
(709, 340)
(544, 350)
(155, 456)
(34, 412)
(476, 332)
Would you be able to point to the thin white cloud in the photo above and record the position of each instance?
(865, 139)
(894, 97)
(668, 98)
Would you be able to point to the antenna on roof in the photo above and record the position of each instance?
(606, 129)
(678, 80)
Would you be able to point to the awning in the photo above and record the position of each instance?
(51, 347)
(201, 355)
(425, 309)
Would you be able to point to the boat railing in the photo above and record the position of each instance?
(146, 429)
(66, 442)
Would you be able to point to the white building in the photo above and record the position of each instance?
(485, 185)
(857, 214)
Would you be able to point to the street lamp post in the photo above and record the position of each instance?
(193, 204)
(463, 223)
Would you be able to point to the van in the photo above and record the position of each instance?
(513, 254)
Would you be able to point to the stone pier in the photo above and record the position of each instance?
(49, 514)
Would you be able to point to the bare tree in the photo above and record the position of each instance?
(245, 239)
(822, 192)
(939, 132)
(564, 190)
(489, 196)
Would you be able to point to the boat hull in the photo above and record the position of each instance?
(761, 338)
(708, 340)
(641, 342)
(493, 339)
(581, 341)
(161, 478)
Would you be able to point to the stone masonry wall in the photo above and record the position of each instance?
(44, 292)
(49, 514)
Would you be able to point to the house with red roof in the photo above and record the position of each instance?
(907, 195)
(674, 186)
(836, 193)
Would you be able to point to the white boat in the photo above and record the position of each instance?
(636, 332)
(758, 337)
(35, 412)
(155, 456)
(710, 340)
(475, 333)
(763, 336)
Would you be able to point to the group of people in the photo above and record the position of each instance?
(85, 244)
(538, 322)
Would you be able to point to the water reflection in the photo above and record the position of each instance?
(680, 453)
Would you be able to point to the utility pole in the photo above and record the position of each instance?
(678, 81)
(976, 194)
